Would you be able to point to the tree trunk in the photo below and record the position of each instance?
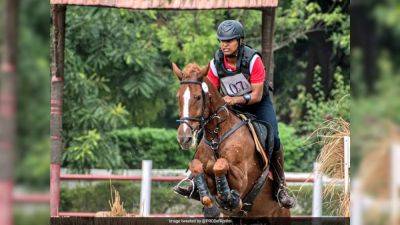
(267, 40)
(319, 53)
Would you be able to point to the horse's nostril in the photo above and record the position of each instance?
(185, 139)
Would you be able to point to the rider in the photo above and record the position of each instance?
(236, 63)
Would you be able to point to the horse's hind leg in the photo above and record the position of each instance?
(210, 209)
(229, 199)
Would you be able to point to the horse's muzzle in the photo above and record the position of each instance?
(185, 142)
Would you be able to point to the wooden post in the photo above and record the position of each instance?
(145, 191)
(267, 41)
(8, 103)
(395, 183)
(317, 191)
(346, 142)
(57, 84)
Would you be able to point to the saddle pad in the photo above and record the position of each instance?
(259, 147)
(264, 132)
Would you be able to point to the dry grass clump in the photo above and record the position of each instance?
(331, 160)
(375, 167)
(116, 205)
(375, 175)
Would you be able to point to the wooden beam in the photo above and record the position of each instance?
(57, 84)
(173, 4)
(8, 106)
(267, 42)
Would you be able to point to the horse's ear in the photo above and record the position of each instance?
(177, 71)
(204, 71)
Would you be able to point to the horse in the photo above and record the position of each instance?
(226, 166)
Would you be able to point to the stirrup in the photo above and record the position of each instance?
(177, 187)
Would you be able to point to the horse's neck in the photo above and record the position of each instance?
(215, 105)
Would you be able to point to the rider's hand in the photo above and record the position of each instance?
(232, 100)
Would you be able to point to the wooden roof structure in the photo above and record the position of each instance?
(174, 4)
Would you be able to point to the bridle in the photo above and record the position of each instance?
(201, 119)
(215, 140)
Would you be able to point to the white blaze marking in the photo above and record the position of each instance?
(205, 87)
(186, 98)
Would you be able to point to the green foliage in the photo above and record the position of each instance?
(296, 22)
(37, 216)
(309, 112)
(191, 36)
(293, 149)
(159, 145)
(126, 149)
(188, 37)
(34, 168)
(387, 16)
(318, 108)
(95, 197)
(33, 95)
(92, 150)
(298, 18)
(373, 115)
(113, 78)
(112, 58)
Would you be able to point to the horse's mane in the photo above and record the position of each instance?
(190, 69)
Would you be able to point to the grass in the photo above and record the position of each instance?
(331, 160)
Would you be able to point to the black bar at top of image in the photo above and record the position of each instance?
(188, 221)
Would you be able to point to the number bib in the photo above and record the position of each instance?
(236, 85)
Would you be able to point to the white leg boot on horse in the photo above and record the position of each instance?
(279, 184)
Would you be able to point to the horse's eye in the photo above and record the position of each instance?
(197, 97)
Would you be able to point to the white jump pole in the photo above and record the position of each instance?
(356, 204)
(346, 142)
(145, 192)
(395, 182)
(317, 192)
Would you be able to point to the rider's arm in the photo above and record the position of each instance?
(211, 75)
(256, 95)
(257, 78)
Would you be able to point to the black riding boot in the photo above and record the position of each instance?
(187, 191)
(279, 183)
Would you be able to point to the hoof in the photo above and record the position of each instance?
(211, 212)
(207, 202)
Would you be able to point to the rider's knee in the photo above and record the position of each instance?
(277, 144)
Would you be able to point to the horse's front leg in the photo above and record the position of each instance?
(229, 198)
(210, 209)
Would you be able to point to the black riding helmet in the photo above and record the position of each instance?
(230, 29)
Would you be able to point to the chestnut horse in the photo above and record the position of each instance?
(226, 164)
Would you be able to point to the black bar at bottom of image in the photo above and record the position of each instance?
(187, 221)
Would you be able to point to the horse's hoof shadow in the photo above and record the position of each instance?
(211, 212)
